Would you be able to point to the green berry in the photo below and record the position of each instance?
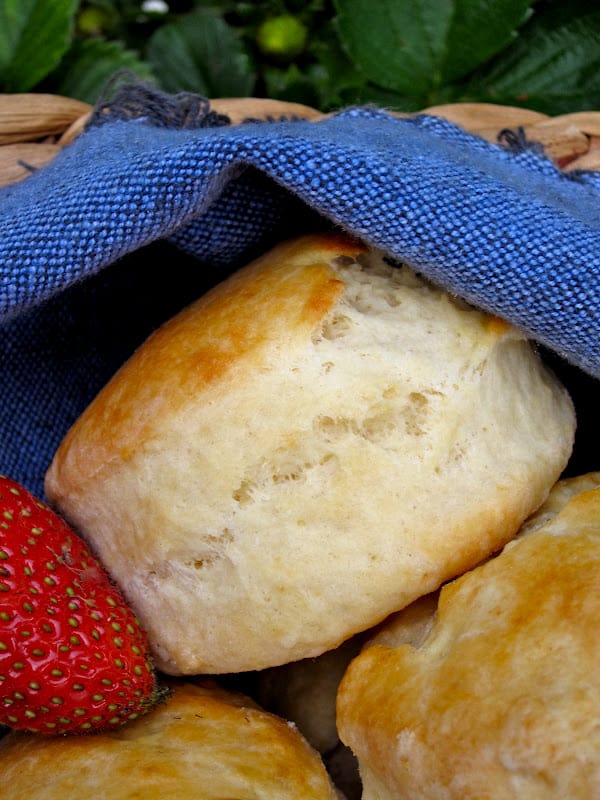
(92, 21)
(282, 37)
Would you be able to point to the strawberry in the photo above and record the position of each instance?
(73, 657)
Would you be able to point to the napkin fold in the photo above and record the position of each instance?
(160, 197)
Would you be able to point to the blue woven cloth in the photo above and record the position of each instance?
(136, 218)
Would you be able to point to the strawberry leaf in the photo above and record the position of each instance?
(553, 67)
(200, 53)
(34, 35)
(423, 44)
(90, 63)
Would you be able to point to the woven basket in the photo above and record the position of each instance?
(35, 127)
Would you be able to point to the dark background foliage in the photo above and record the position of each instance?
(402, 54)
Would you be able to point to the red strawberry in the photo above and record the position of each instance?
(73, 657)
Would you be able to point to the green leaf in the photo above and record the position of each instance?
(90, 63)
(200, 53)
(331, 72)
(291, 84)
(550, 68)
(479, 30)
(415, 46)
(34, 35)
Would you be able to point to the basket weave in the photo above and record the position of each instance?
(35, 127)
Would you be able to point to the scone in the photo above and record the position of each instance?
(501, 698)
(312, 445)
(204, 742)
(304, 692)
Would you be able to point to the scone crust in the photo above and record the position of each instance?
(314, 444)
(203, 742)
(198, 350)
(502, 699)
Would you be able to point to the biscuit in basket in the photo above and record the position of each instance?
(501, 698)
(205, 742)
(312, 445)
(304, 693)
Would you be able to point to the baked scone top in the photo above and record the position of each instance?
(316, 442)
(502, 698)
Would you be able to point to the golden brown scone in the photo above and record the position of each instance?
(312, 445)
(305, 691)
(204, 743)
(410, 626)
(502, 698)
(560, 495)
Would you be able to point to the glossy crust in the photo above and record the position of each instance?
(502, 698)
(312, 445)
(204, 742)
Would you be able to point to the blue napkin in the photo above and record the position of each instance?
(144, 211)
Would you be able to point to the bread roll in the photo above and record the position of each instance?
(560, 495)
(410, 626)
(315, 443)
(204, 742)
(305, 691)
(502, 697)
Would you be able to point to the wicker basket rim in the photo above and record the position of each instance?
(35, 127)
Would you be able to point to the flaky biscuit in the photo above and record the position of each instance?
(312, 445)
(501, 699)
(204, 742)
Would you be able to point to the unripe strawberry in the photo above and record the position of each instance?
(282, 37)
(73, 656)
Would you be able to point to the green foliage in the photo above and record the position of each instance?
(425, 44)
(34, 35)
(90, 63)
(402, 54)
(199, 52)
